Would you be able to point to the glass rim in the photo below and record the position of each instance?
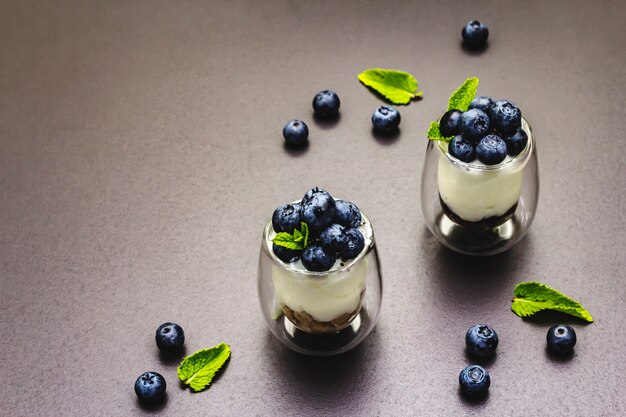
(521, 158)
(267, 244)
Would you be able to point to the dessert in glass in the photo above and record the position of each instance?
(319, 277)
(480, 181)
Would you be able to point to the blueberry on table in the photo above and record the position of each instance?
(318, 209)
(386, 119)
(296, 133)
(461, 149)
(506, 117)
(475, 34)
(483, 103)
(286, 255)
(150, 387)
(481, 340)
(449, 123)
(315, 258)
(561, 338)
(474, 381)
(287, 218)
(170, 337)
(354, 244)
(326, 104)
(347, 214)
(333, 238)
(491, 150)
(516, 142)
(475, 124)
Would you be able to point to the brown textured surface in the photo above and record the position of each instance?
(140, 157)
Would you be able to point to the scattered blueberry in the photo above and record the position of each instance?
(332, 238)
(474, 124)
(474, 381)
(386, 119)
(483, 103)
(561, 338)
(516, 143)
(491, 150)
(449, 123)
(326, 104)
(481, 340)
(354, 244)
(286, 255)
(347, 214)
(286, 218)
(318, 209)
(461, 149)
(150, 387)
(505, 116)
(315, 258)
(170, 337)
(296, 133)
(475, 34)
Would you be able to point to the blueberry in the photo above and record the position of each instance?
(296, 133)
(449, 123)
(315, 258)
(354, 244)
(150, 387)
(561, 338)
(483, 103)
(506, 117)
(386, 119)
(326, 104)
(170, 337)
(318, 209)
(516, 143)
(461, 149)
(491, 150)
(286, 218)
(333, 238)
(474, 124)
(286, 255)
(347, 214)
(475, 34)
(474, 381)
(481, 340)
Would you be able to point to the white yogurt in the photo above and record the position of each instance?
(475, 191)
(325, 296)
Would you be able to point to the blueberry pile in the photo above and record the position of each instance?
(333, 230)
(486, 131)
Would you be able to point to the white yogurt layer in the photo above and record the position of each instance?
(324, 296)
(476, 191)
(476, 195)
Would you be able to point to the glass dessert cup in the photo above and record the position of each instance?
(320, 313)
(478, 209)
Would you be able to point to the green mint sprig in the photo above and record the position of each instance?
(197, 370)
(299, 240)
(459, 100)
(532, 297)
(398, 87)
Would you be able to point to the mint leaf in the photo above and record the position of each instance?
(435, 134)
(459, 100)
(462, 97)
(399, 87)
(296, 241)
(532, 297)
(197, 370)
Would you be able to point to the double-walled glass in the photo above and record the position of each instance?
(320, 313)
(479, 209)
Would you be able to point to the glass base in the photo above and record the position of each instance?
(323, 344)
(478, 241)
